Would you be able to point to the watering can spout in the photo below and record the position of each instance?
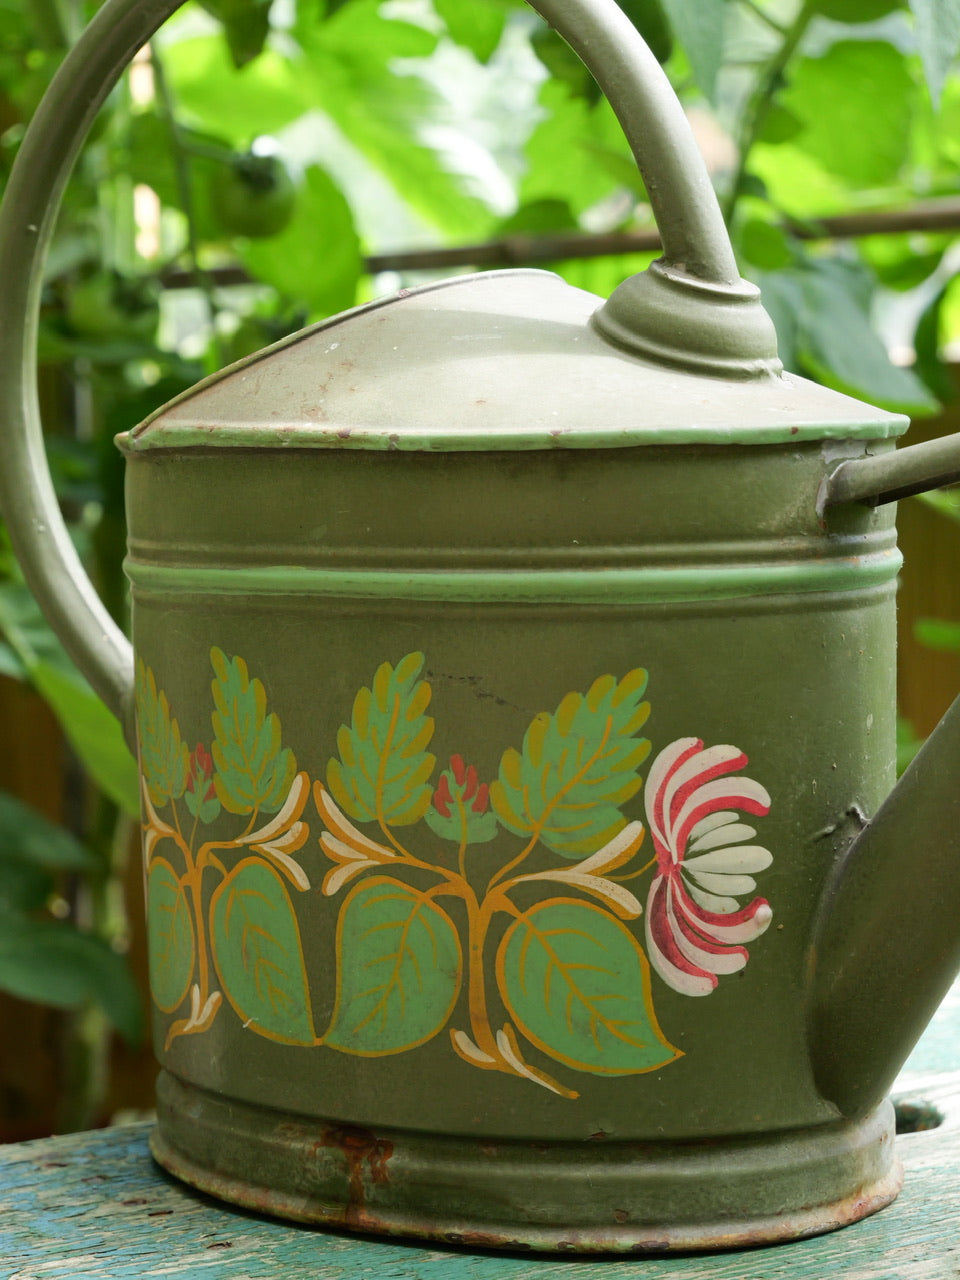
(888, 945)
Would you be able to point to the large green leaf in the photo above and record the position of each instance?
(265, 97)
(254, 769)
(837, 345)
(650, 20)
(399, 967)
(163, 753)
(561, 152)
(258, 954)
(170, 936)
(54, 963)
(577, 984)
(855, 103)
(938, 39)
(246, 25)
(856, 10)
(388, 117)
(699, 26)
(93, 732)
(27, 836)
(577, 767)
(317, 257)
(477, 26)
(147, 155)
(383, 771)
(938, 634)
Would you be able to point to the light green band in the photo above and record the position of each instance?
(597, 586)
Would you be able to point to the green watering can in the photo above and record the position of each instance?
(513, 689)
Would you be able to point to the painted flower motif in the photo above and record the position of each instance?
(284, 834)
(349, 849)
(200, 772)
(201, 794)
(459, 809)
(695, 927)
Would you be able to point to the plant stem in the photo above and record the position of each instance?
(478, 922)
(761, 100)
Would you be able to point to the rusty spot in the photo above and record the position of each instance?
(794, 430)
(360, 1147)
(599, 1135)
(621, 1215)
(344, 433)
(485, 1240)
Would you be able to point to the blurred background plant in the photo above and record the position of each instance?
(266, 163)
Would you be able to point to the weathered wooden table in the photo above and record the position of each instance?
(95, 1205)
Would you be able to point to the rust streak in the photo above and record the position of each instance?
(359, 1147)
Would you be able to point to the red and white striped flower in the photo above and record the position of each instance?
(694, 925)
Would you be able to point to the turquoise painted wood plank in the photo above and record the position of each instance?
(94, 1206)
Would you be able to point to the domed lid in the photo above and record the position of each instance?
(503, 360)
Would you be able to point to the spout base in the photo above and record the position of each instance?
(597, 1196)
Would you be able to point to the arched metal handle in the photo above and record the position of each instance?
(691, 309)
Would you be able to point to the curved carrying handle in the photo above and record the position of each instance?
(713, 319)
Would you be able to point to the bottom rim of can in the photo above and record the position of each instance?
(559, 1198)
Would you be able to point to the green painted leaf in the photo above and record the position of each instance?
(459, 811)
(699, 26)
(938, 39)
(399, 967)
(258, 954)
(577, 984)
(170, 936)
(383, 770)
(163, 754)
(254, 770)
(577, 767)
(317, 257)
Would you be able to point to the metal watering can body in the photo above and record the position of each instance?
(514, 692)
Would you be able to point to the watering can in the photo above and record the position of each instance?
(513, 690)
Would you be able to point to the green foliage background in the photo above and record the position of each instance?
(415, 123)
